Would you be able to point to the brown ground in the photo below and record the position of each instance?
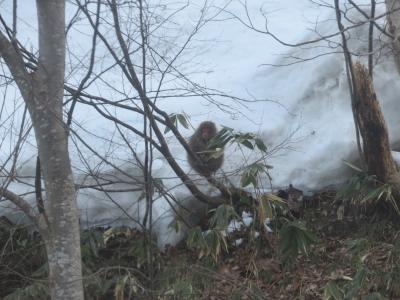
(250, 271)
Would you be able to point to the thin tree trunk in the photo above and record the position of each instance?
(63, 240)
(43, 93)
(373, 127)
(393, 10)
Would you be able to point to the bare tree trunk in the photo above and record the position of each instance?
(393, 10)
(373, 128)
(43, 93)
(63, 241)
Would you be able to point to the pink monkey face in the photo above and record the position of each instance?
(207, 132)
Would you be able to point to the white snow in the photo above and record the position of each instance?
(310, 103)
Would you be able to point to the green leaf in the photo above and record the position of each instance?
(247, 144)
(353, 166)
(252, 173)
(217, 153)
(221, 139)
(211, 243)
(294, 238)
(176, 225)
(182, 289)
(357, 246)
(247, 179)
(216, 243)
(173, 119)
(222, 216)
(196, 239)
(182, 119)
(267, 205)
(245, 200)
(36, 290)
(357, 282)
(166, 129)
(332, 291)
(256, 293)
(260, 145)
(374, 296)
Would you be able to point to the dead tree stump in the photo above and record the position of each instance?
(373, 129)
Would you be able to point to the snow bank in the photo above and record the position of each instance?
(314, 109)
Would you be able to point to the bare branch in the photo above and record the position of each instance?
(90, 69)
(350, 78)
(16, 65)
(20, 203)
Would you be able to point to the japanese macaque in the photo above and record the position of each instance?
(200, 144)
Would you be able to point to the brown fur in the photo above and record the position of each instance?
(199, 143)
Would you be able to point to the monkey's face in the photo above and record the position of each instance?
(207, 132)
